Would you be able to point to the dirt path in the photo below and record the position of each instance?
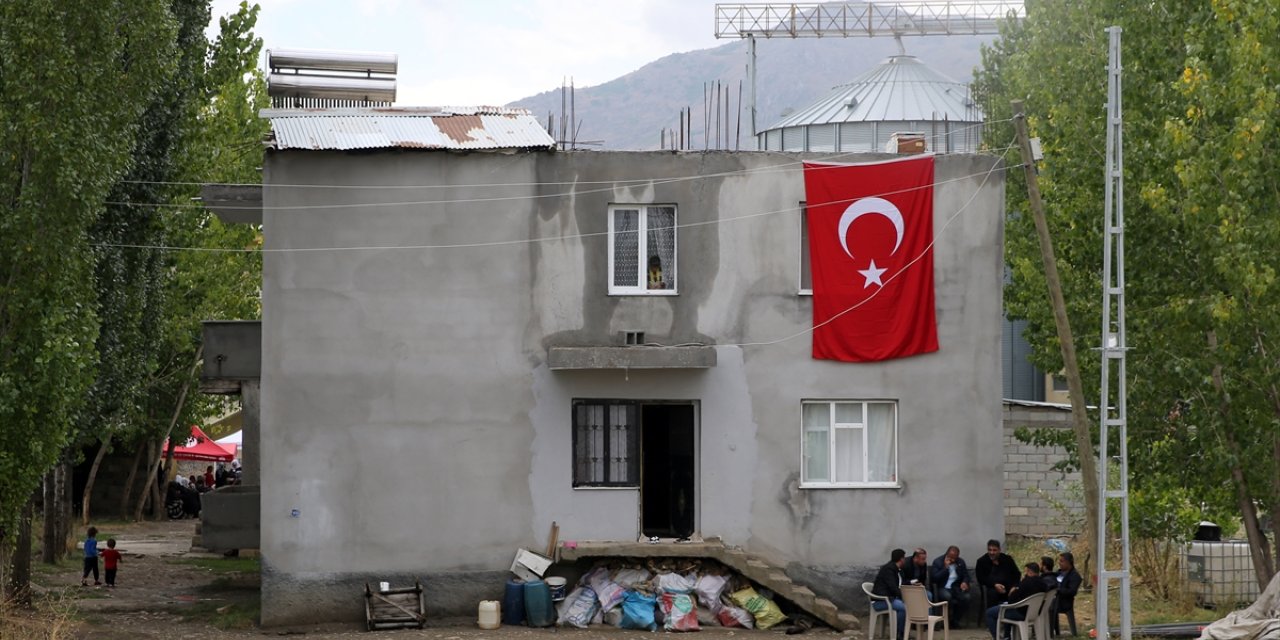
(166, 591)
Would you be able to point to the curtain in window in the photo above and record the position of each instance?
(817, 447)
(626, 248)
(661, 241)
(881, 443)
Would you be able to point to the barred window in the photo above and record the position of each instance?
(606, 443)
(642, 250)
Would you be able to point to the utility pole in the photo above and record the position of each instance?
(1075, 387)
(1113, 414)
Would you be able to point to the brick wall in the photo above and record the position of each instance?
(1031, 485)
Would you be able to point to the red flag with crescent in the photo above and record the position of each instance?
(871, 256)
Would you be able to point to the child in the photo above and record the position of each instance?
(90, 558)
(110, 561)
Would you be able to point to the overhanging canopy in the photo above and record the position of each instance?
(201, 447)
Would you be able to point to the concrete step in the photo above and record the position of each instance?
(848, 622)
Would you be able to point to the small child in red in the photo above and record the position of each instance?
(110, 561)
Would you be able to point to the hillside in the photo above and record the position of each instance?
(630, 111)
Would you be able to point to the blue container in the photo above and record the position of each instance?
(513, 602)
(538, 610)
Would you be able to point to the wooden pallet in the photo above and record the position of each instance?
(395, 608)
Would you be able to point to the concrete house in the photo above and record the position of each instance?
(461, 345)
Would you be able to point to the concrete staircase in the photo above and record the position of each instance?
(757, 569)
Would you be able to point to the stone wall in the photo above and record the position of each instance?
(1034, 492)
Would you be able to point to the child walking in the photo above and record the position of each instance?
(90, 558)
(111, 561)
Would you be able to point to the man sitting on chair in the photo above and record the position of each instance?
(1031, 584)
(889, 584)
(951, 578)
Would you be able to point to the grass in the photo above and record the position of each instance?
(223, 565)
(1146, 607)
(51, 617)
(235, 615)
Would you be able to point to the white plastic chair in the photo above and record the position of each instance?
(890, 617)
(917, 602)
(1046, 612)
(1033, 604)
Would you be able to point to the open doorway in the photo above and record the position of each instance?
(668, 470)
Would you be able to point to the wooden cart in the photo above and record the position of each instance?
(395, 608)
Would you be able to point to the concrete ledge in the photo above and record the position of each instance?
(229, 518)
(637, 357)
(233, 203)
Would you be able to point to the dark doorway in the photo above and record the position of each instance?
(667, 475)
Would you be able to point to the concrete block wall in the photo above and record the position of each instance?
(1032, 486)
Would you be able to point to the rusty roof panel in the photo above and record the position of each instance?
(455, 128)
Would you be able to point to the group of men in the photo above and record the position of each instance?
(947, 579)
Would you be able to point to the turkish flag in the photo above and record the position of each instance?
(871, 256)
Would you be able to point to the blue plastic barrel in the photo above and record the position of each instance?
(513, 602)
(538, 610)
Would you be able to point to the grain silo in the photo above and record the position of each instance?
(899, 96)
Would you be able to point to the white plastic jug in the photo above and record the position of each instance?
(490, 615)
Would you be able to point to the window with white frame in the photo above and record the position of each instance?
(642, 249)
(806, 274)
(849, 443)
(606, 443)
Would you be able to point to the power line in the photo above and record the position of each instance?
(496, 243)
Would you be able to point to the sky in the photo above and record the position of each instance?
(490, 52)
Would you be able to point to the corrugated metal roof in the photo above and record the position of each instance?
(407, 127)
(900, 88)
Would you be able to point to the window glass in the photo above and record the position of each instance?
(881, 442)
(642, 250)
(626, 247)
(848, 443)
(848, 455)
(606, 439)
(806, 275)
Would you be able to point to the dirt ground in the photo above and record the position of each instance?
(166, 591)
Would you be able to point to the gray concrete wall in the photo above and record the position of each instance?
(1039, 500)
(412, 429)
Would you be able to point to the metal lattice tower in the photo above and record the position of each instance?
(854, 20)
(1113, 412)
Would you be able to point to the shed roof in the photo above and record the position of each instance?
(450, 128)
(900, 88)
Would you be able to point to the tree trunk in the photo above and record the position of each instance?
(1259, 548)
(150, 479)
(177, 411)
(128, 484)
(93, 475)
(65, 500)
(50, 543)
(17, 587)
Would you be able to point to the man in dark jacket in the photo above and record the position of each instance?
(950, 576)
(1031, 584)
(997, 573)
(889, 584)
(1068, 586)
(916, 571)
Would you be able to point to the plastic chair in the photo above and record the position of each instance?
(1055, 611)
(890, 618)
(1046, 612)
(1033, 604)
(917, 602)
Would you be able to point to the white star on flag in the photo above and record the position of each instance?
(872, 275)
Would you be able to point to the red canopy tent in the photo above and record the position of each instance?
(201, 447)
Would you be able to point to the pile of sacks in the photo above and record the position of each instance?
(683, 598)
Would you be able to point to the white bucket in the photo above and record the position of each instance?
(556, 586)
(489, 615)
(384, 586)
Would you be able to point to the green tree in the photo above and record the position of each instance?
(1199, 98)
(75, 78)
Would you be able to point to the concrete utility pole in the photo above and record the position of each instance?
(1075, 387)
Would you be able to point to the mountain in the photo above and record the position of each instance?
(630, 112)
